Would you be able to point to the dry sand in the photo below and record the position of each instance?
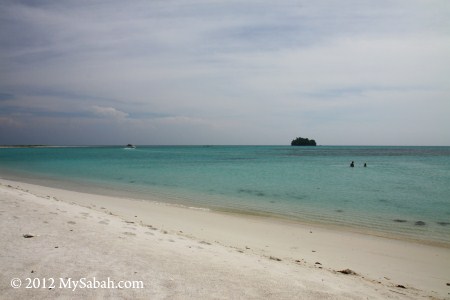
(182, 253)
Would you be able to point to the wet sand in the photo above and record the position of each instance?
(182, 253)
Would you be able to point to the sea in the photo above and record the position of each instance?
(403, 192)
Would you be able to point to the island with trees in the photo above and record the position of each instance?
(303, 142)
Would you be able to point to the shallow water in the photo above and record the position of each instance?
(404, 190)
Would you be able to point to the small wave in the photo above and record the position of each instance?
(199, 208)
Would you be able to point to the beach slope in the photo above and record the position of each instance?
(160, 251)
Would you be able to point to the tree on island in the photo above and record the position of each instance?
(303, 142)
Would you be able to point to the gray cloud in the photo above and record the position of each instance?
(6, 96)
(252, 72)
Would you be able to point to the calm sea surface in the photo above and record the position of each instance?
(404, 191)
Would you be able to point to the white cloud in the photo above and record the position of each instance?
(108, 112)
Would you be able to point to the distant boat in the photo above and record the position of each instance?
(130, 146)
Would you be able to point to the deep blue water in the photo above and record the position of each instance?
(400, 186)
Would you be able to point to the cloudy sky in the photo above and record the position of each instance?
(225, 72)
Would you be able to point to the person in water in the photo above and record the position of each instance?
(352, 164)
(365, 165)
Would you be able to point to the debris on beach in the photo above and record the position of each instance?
(348, 272)
(28, 235)
(275, 258)
(401, 286)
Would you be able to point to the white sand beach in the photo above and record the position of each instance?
(185, 253)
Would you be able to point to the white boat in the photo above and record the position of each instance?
(130, 146)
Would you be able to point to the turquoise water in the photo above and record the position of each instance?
(400, 187)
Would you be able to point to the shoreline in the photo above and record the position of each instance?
(422, 269)
(99, 190)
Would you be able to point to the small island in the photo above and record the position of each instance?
(303, 142)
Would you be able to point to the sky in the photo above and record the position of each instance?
(202, 72)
